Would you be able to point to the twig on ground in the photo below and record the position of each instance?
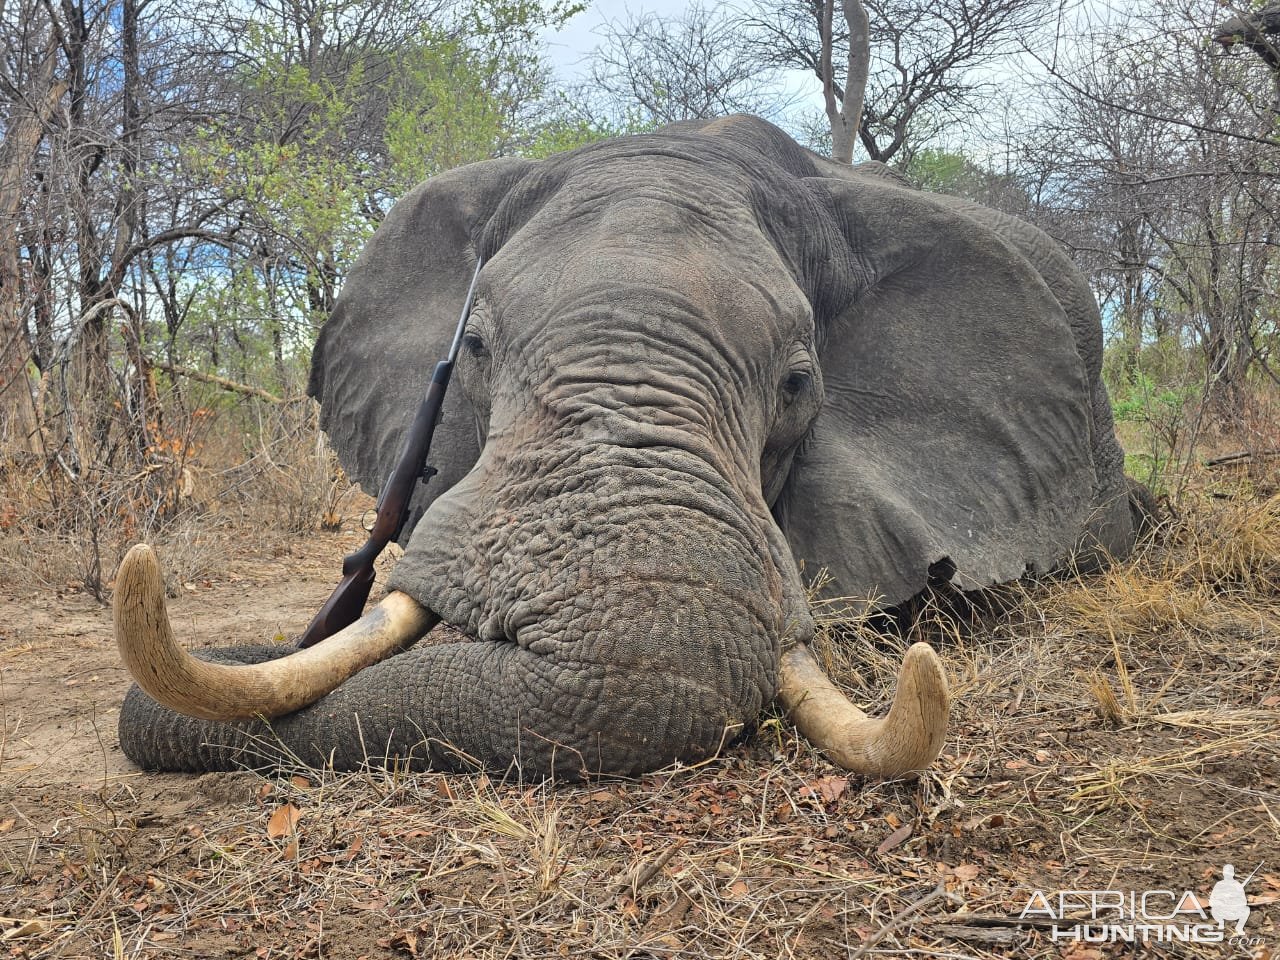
(638, 878)
(900, 918)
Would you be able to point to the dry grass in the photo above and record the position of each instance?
(1117, 731)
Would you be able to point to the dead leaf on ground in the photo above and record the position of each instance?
(32, 928)
(1078, 951)
(284, 820)
(895, 839)
(354, 848)
(404, 941)
(827, 789)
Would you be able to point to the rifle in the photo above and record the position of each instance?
(347, 601)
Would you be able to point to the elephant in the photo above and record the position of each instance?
(702, 364)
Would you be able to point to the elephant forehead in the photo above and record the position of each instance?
(631, 306)
(685, 192)
(642, 258)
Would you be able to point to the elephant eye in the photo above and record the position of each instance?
(475, 345)
(797, 381)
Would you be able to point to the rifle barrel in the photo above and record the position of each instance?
(466, 312)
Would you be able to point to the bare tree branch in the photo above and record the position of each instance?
(222, 382)
(689, 67)
(844, 107)
(923, 66)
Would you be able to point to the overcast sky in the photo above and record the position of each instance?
(567, 49)
(569, 46)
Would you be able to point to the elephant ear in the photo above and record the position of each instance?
(954, 440)
(395, 317)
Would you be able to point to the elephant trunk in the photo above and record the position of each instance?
(659, 667)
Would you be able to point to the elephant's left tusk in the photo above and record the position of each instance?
(909, 738)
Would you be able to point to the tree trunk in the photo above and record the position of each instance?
(18, 417)
(844, 108)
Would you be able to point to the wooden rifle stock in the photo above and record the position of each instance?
(347, 601)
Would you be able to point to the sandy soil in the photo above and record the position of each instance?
(61, 680)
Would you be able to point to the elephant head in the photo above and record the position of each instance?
(700, 364)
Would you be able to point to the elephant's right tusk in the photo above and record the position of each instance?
(217, 691)
(909, 738)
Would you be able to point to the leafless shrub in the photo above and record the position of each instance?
(285, 477)
(684, 68)
(70, 518)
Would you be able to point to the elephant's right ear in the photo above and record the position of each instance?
(395, 318)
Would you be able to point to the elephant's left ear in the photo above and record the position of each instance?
(954, 440)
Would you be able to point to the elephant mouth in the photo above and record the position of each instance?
(908, 738)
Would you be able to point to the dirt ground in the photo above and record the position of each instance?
(1115, 734)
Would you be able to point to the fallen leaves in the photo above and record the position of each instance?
(1078, 951)
(406, 941)
(983, 822)
(895, 839)
(284, 821)
(27, 928)
(826, 789)
(962, 878)
(966, 871)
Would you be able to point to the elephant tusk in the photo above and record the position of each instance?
(217, 691)
(909, 738)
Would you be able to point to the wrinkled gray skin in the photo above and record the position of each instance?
(700, 362)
